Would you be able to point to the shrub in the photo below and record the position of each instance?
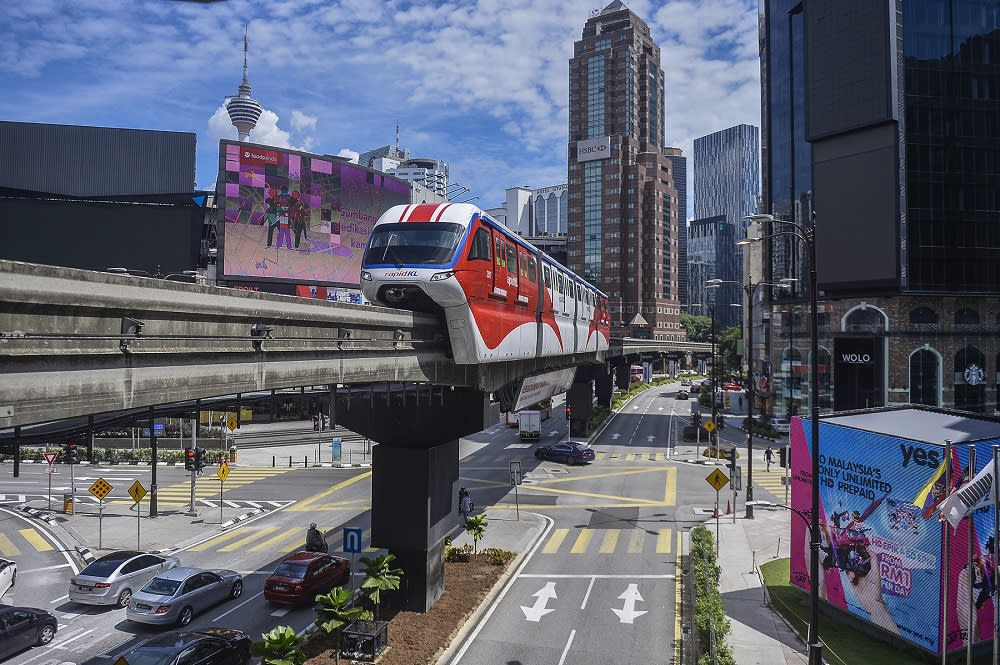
(497, 556)
(709, 611)
(457, 554)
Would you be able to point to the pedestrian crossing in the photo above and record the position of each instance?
(599, 456)
(772, 481)
(207, 487)
(270, 539)
(16, 542)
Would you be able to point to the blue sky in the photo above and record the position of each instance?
(480, 84)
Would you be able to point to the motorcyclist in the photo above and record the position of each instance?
(315, 540)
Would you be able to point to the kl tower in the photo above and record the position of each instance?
(244, 110)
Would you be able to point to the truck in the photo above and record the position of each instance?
(529, 425)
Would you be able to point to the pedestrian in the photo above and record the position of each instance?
(315, 540)
(769, 457)
(465, 505)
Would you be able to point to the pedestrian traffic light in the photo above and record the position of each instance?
(732, 459)
(569, 412)
(189, 462)
(783, 457)
(199, 459)
(72, 455)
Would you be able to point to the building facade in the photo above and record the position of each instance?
(678, 168)
(882, 128)
(538, 215)
(622, 215)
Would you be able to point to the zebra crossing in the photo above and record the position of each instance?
(772, 481)
(276, 539)
(16, 542)
(599, 456)
(207, 488)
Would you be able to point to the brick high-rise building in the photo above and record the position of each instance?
(623, 218)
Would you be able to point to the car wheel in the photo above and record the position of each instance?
(45, 635)
(242, 656)
(124, 597)
(237, 589)
(568, 460)
(184, 618)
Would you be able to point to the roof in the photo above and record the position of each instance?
(931, 426)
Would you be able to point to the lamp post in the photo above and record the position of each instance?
(714, 434)
(749, 288)
(808, 236)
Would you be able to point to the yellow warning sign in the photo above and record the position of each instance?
(101, 488)
(223, 471)
(709, 426)
(121, 661)
(137, 491)
(231, 423)
(717, 479)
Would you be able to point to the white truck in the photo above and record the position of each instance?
(529, 425)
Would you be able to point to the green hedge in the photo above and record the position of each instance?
(709, 611)
(121, 455)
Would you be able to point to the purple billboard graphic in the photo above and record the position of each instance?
(298, 217)
(882, 533)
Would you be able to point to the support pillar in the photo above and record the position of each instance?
(580, 398)
(603, 387)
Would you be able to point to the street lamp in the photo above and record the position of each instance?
(808, 236)
(749, 288)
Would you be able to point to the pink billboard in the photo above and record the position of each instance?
(293, 216)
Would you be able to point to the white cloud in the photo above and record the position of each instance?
(352, 154)
(301, 121)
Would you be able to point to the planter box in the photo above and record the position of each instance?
(364, 640)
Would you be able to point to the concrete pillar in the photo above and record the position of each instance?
(603, 387)
(580, 398)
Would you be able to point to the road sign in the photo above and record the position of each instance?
(335, 448)
(121, 661)
(709, 426)
(101, 488)
(717, 479)
(223, 471)
(137, 491)
(231, 423)
(515, 472)
(352, 540)
(50, 458)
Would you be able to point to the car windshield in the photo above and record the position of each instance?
(102, 567)
(294, 571)
(152, 656)
(413, 243)
(161, 587)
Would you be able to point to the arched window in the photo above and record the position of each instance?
(865, 320)
(923, 315)
(925, 368)
(967, 317)
(970, 380)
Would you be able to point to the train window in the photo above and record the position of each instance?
(559, 282)
(511, 258)
(499, 251)
(547, 276)
(480, 249)
(532, 269)
(522, 264)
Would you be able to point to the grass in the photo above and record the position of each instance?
(843, 645)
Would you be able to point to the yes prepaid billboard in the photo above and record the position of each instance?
(298, 217)
(882, 542)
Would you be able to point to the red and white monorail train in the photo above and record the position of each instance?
(500, 297)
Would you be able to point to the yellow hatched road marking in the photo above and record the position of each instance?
(212, 542)
(306, 504)
(35, 539)
(663, 541)
(610, 541)
(580, 546)
(249, 538)
(555, 542)
(7, 547)
(630, 457)
(635, 541)
(281, 537)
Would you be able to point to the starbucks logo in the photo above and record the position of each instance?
(974, 375)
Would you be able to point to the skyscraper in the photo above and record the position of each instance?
(678, 169)
(880, 122)
(622, 212)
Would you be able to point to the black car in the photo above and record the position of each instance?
(682, 394)
(567, 452)
(23, 627)
(214, 646)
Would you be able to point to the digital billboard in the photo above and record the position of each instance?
(298, 217)
(882, 539)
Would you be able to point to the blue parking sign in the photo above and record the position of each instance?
(352, 540)
(335, 447)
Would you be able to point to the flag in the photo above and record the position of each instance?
(973, 495)
(920, 501)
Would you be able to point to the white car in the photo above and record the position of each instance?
(8, 575)
(780, 425)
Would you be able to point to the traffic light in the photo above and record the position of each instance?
(569, 412)
(189, 464)
(783, 457)
(199, 459)
(72, 454)
(721, 421)
(697, 418)
(732, 459)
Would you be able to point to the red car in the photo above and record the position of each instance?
(304, 575)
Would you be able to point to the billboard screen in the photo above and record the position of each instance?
(882, 542)
(298, 217)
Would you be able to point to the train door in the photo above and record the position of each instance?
(499, 266)
(524, 295)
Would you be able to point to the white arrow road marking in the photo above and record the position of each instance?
(553, 432)
(615, 435)
(628, 612)
(650, 437)
(660, 409)
(542, 596)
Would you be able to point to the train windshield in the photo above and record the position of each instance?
(413, 243)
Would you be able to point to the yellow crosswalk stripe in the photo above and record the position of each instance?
(7, 547)
(280, 538)
(610, 541)
(663, 541)
(636, 541)
(212, 542)
(35, 539)
(254, 535)
(555, 541)
(582, 540)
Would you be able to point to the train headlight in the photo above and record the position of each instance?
(441, 276)
(366, 275)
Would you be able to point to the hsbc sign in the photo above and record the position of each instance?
(591, 149)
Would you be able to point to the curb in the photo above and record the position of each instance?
(241, 518)
(50, 519)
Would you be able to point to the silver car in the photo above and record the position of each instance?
(112, 579)
(176, 595)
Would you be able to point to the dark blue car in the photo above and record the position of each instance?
(566, 452)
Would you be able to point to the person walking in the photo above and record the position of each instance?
(769, 457)
(465, 505)
(315, 540)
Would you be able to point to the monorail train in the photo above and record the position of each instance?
(500, 297)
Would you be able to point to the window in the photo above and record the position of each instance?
(511, 258)
(480, 249)
(967, 316)
(532, 269)
(547, 276)
(498, 242)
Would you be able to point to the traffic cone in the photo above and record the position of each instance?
(729, 508)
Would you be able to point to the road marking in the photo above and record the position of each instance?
(663, 541)
(212, 542)
(7, 547)
(63, 643)
(35, 570)
(281, 611)
(569, 643)
(542, 597)
(610, 541)
(587, 595)
(249, 538)
(677, 599)
(635, 541)
(35, 539)
(587, 576)
(306, 504)
(270, 542)
(628, 613)
(580, 546)
(555, 542)
(233, 609)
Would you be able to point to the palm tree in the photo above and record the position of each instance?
(380, 577)
(475, 526)
(280, 646)
(336, 611)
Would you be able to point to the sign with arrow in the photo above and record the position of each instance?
(628, 613)
(542, 596)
